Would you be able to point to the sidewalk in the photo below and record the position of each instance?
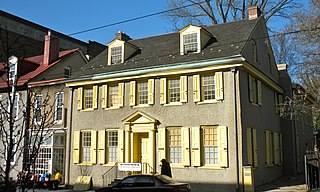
(292, 184)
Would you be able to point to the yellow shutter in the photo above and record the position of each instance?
(120, 94)
(219, 85)
(93, 147)
(120, 146)
(132, 93)
(95, 97)
(101, 147)
(162, 143)
(251, 90)
(267, 148)
(80, 97)
(259, 93)
(104, 96)
(151, 91)
(255, 148)
(196, 146)
(163, 91)
(196, 88)
(223, 146)
(184, 89)
(249, 146)
(76, 147)
(276, 149)
(185, 146)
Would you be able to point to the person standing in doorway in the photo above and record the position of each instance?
(165, 168)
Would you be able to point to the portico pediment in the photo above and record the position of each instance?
(139, 117)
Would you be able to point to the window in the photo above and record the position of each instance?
(175, 145)
(209, 146)
(84, 147)
(210, 143)
(112, 146)
(87, 97)
(37, 108)
(173, 90)
(112, 95)
(58, 106)
(255, 91)
(116, 55)
(67, 72)
(208, 87)
(252, 150)
(14, 149)
(190, 43)
(273, 148)
(142, 92)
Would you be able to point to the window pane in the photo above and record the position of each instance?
(59, 106)
(190, 43)
(113, 96)
(88, 98)
(210, 143)
(174, 90)
(142, 92)
(116, 55)
(38, 104)
(86, 146)
(175, 145)
(208, 85)
(112, 146)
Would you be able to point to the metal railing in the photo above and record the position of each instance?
(312, 169)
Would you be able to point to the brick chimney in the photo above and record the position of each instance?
(122, 36)
(51, 49)
(253, 12)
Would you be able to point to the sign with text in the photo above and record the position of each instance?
(129, 166)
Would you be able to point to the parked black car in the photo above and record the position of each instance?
(147, 183)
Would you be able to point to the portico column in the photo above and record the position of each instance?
(152, 149)
(127, 146)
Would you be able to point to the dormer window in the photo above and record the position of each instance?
(190, 43)
(193, 39)
(116, 55)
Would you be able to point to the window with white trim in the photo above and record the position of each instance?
(112, 144)
(175, 149)
(210, 145)
(86, 146)
(14, 149)
(190, 43)
(116, 55)
(87, 97)
(173, 90)
(15, 108)
(208, 87)
(142, 92)
(58, 106)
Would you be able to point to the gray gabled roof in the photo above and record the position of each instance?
(229, 40)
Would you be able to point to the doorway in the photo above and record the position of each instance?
(141, 150)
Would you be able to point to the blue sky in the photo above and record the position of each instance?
(68, 16)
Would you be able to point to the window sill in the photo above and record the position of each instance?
(176, 165)
(173, 104)
(58, 122)
(112, 108)
(141, 106)
(208, 102)
(89, 109)
(109, 164)
(212, 167)
(85, 164)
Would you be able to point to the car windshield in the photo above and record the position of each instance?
(165, 179)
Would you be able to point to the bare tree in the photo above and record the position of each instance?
(25, 120)
(209, 12)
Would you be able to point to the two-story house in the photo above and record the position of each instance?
(203, 98)
(41, 78)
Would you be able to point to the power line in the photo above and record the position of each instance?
(134, 19)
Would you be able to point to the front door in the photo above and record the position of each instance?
(140, 150)
(145, 155)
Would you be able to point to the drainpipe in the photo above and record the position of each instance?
(69, 131)
(234, 71)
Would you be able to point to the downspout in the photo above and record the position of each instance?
(234, 71)
(69, 131)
